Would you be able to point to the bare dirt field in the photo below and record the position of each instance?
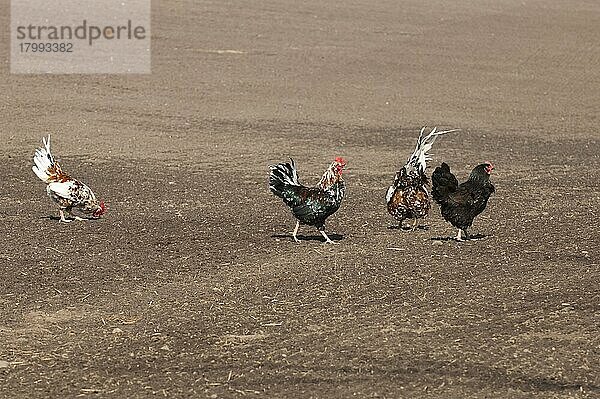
(191, 286)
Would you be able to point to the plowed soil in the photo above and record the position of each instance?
(191, 286)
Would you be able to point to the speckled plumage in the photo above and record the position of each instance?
(410, 200)
(67, 192)
(407, 197)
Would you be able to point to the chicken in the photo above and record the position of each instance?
(310, 205)
(407, 197)
(67, 192)
(461, 203)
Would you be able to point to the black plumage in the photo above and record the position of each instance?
(461, 203)
(309, 205)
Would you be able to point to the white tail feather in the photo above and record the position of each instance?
(43, 160)
(294, 175)
(285, 172)
(417, 162)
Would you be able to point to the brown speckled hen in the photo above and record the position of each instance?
(407, 197)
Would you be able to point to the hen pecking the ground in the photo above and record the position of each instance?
(67, 192)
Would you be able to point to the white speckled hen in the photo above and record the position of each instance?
(67, 192)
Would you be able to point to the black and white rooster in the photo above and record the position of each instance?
(309, 205)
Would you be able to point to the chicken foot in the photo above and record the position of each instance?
(327, 239)
(459, 235)
(65, 220)
(62, 217)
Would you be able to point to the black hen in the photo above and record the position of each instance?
(460, 203)
(310, 205)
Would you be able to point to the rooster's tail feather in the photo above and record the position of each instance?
(418, 160)
(283, 175)
(44, 165)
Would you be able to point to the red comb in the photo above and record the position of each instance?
(102, 210)
(340, 160)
